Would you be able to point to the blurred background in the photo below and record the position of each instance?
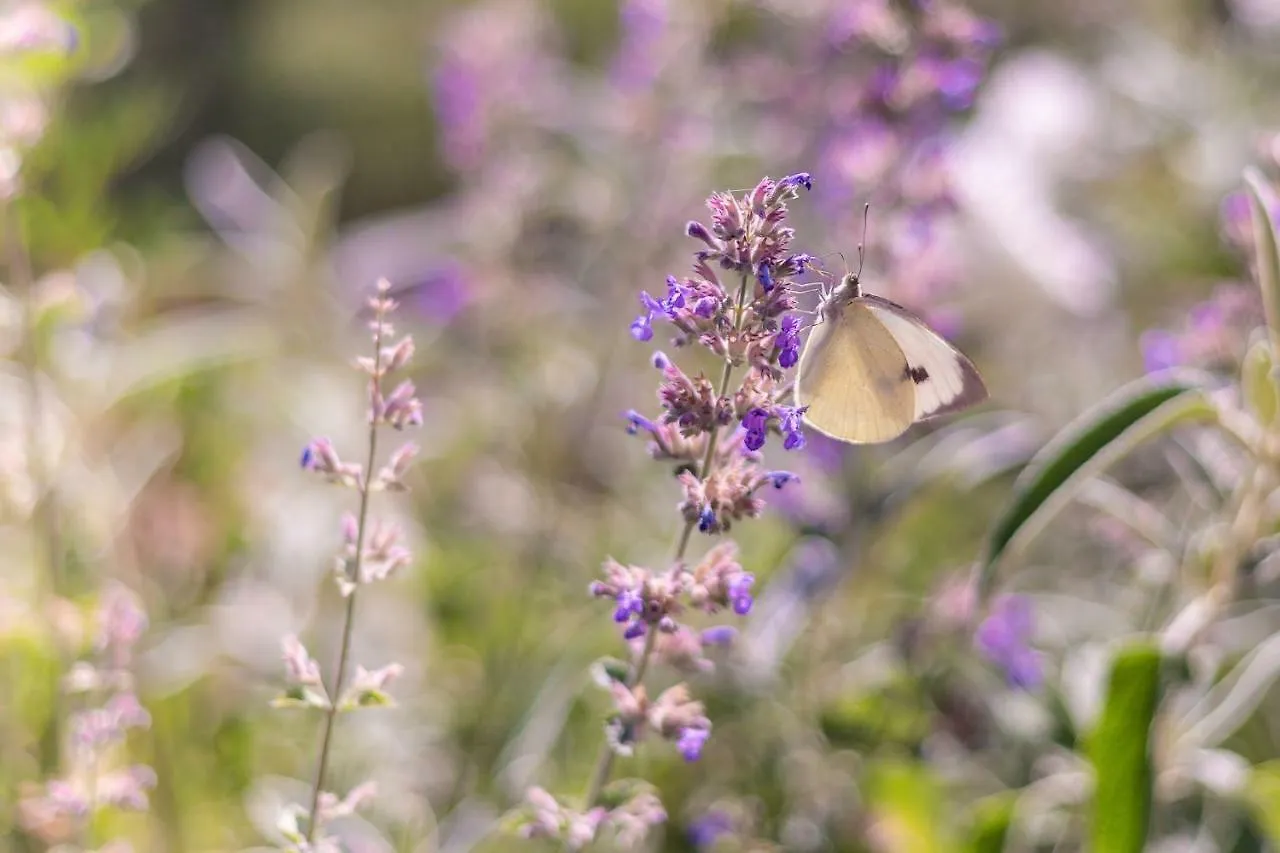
(199, 196)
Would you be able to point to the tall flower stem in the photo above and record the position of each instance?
(45, 522)
(604, 763)
(353, 572)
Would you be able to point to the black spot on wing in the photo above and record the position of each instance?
(917, 375)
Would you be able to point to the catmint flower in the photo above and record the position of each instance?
(743, 322)
(691, 402)
(668, 441)
(304, 687)
(788, 342)
(391, 476)
(706, 830)
(631, 821)
(641, 597)
(728, 494)
(719, 581)
(628, 822)
(399, 409)
(642, 327)
(320, 456)
(674, 713)
(739, 593)
(332, 808)
(125, 789)
(121, 622)
(765, 277)
(382, 556)
(1004, 639)
(691, 742)
(684, 649)
(698, 231)
(108, 710)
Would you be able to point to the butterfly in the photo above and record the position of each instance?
(871, 368)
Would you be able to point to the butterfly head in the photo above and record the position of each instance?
(850, 287)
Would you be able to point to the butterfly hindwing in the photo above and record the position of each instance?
(945, 379)
(854, 378)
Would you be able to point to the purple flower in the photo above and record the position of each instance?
(630, 603)
(704, 831)
(794, 182)
(755, 424)
(791, 419)
(740, 593)
(442, 293)
(641, 328)
(781, 478)
(706, 519)
(691, 742)
(788, 342)
(1004, 639)
(635, 64)
(958, 81)
(459, 110)
(637, 422)
(765, 277)
(1160, 350)
(719, 635)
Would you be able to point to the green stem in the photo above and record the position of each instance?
(344, 653)
(604, 763)
(44, 512)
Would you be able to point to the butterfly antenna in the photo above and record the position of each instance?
(866, 214)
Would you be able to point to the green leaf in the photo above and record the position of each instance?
(1137, 412)
(298, 696)
(1258, 383)
(908, 804)
(1118, 750)
(1262, 201)
(992, 817)
(1263, 794)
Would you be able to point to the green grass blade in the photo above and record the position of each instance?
(1097, 439)
(1118, 750)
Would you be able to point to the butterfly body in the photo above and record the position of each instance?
(871, 368)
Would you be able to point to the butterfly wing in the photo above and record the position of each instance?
(945, 379)
(853, 377)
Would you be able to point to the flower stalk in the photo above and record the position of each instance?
(371, 551)
(714, 434)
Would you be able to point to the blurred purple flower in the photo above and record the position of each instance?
(691, 742)
(441, 294)
(1004, 639)
(1160, 350)
(459, 111)
(704, 831)
(636, 64)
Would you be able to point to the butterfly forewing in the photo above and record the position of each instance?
(853, 377)
(944, 378)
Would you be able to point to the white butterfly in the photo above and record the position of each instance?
(871, 368)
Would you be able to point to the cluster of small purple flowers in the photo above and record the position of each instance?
(95, 777)
(877, 85)
(1004, 638)
(371, 551)
(1215, 332)
(743, 323)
